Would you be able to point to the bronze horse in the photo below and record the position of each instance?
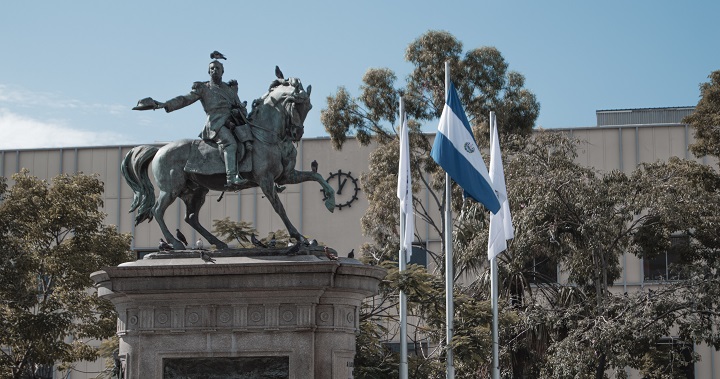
(276, 121)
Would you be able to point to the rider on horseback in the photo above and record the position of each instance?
(226, 118)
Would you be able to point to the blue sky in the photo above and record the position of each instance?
(71, 71)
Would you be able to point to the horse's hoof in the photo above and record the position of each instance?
(330, 205)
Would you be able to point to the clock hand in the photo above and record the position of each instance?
(339, 191)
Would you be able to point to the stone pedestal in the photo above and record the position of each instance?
(241, 317)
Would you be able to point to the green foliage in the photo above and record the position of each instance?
(481, 75)
(585, 221)
(239, 231)
(706, 118)
(341, 115)
(282, 238)
(373, 359)
(582, 220)
(52, 238)
(484, 83)
(425, 301)
(109, 349)
(565, 214)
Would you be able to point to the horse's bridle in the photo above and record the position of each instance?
(293, 130)
(290, 129)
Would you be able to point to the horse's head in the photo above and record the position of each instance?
(290, 94)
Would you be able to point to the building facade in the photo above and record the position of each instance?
(622, 140)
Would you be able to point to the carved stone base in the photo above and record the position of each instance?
(241, 317)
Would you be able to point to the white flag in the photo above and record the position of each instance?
(404, 192)
(501, 228)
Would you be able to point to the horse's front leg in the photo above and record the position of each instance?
(295, 177)
(268, 187)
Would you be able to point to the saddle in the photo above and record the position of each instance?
(205, 159)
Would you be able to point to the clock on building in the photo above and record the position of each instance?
(345, 186)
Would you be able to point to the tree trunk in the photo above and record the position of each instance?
(601, 366)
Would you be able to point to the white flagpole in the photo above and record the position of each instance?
(402, 263)
(495, 342)
(501, 230)
(449, 308)
(494, 282)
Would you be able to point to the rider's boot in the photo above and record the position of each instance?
(231, 169)
(247, 153)
(244, 157)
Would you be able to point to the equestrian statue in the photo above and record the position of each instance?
(236, 151)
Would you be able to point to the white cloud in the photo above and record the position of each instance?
(22, 132)
(19, 97)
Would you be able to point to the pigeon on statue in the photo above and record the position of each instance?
(351, 254)
(273, 241)
(314, 166)
(181, 237)
(256, 242)
(217, 55)
(206, 257)
(199, 244)
(164, 246)
(330, 255)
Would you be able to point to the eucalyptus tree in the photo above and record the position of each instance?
(706, 118)
(485, 84)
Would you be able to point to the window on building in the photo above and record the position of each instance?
(419, 255)
(40, 372)
(665, 266)
(541, 270)
(674, 357)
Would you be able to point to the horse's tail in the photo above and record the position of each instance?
(135, 170)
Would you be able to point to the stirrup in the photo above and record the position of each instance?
(235, 181)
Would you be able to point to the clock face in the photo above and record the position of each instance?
(345, 186)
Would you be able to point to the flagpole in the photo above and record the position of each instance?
(456, 151)
(495, 342)
(501, 230)
(449, 308)
(494, 286)
(402, 263)
(494, 283)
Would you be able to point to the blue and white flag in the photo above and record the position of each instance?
(404, 192)
(501, 228)
(456, 151)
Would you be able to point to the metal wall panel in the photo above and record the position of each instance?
(643, 116)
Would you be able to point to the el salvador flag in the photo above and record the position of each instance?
(456, 151)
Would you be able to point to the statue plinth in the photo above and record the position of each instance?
(279, 316)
